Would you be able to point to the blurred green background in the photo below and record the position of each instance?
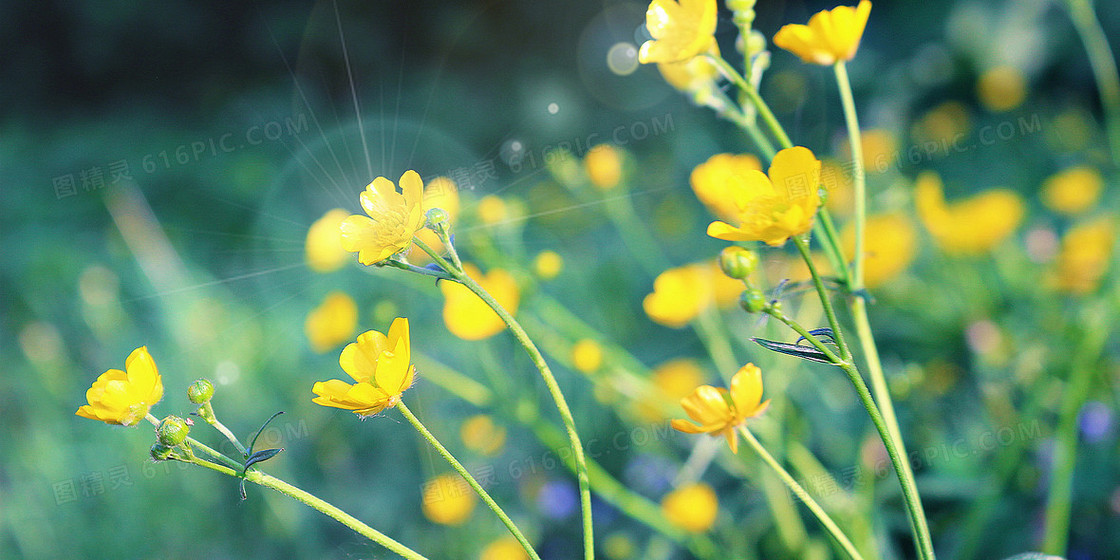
(160, 165)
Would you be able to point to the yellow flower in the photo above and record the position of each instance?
(715, 180)
(879, 149)
(945, 124)
(382, 368)
(548, 264)
(692, 507)
(492, 210)
(1072, 191)
(680, 30)
(674, 380)
(719, 411)
(448, 500)
(836, 181)
(587, 355)
(1084, 256)
(332, 323)
(971, 226)
(394, 217)
(482, 435)
(677, 378)
(725, 290)
(773, 208)
(604, 166)
(124, 397)
(680, 294)
(890, 243)
(323, 248)
(692, 74)
(470, 318)
(832, 35)
(505, 548)
(619, 546)
(1002, 88)
(442, 193)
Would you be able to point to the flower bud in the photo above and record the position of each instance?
(756, 43)
(438, 219)
(172, 431)
(737, 262)
(201, 391)
(160, 452)
(752, 300)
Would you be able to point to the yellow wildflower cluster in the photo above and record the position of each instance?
(1072, 191)
(1084, 256)
(603, 165)
(692, 507)
(448, 500)
(890, 244)
(323, 247)
(332, 322)
(681, 294)
(967, 227)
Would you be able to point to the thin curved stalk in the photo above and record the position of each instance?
(549, 381)
(459, 468)
(269, 481)
(822, 516)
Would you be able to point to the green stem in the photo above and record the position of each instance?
(459, 468)
(808, 500)
(437, 274)
(918, 524)
(830, 239)
(832, 250)
(892, 435)
(750, 126)
(635, 235)
(826, 300)
(549, 381)
(346, 519)
(756, 99)
(206, 412)
(859, 181)
(894, 449)
(633, 504)
(778, 314)
(1104, 67)
(1060, 493)
(712, 335)
(268, 481)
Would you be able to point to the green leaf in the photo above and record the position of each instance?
(263, 426)
(821, 333)
(262, 455)
(796, 350)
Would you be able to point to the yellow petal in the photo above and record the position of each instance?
(708, 407)
(359, 359)
(685, 426)
(721, 230)
(746, 389)
(795, 174)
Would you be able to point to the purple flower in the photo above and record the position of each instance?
(1095, 421)
(558, 499)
